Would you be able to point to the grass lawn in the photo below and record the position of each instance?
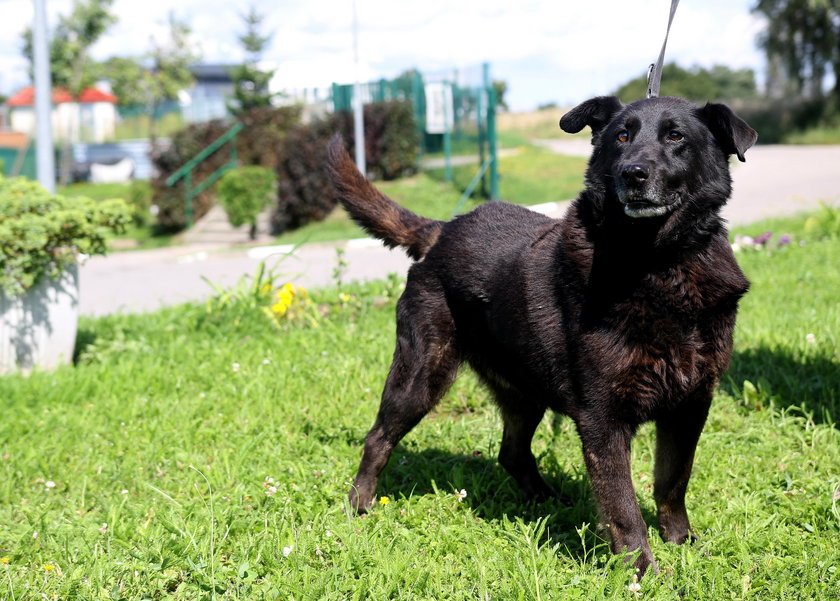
(142, 472)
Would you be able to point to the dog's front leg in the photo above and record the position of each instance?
(676, 440)
(606, 451)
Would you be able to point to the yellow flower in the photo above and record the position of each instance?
(5, 560)
(384, 500)
(266, 289)
(344, 298)
(48, 567)
(279, 309)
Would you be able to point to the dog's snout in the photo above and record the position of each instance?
(635, 173)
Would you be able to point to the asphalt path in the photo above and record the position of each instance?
(775, 181)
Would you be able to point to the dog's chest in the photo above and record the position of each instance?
(647, 344)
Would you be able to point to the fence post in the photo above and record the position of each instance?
(491, 143)
(479, 111)
(447, 132)
(418, 101)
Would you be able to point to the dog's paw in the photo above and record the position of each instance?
(359, 504)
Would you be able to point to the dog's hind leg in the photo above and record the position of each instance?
(425, 363)
(521, 419)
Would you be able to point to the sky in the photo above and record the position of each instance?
(559, 51)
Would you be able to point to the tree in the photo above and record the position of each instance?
(156, 77)
(70, 64)
(250, 82)
(697, 84)
(802, 42)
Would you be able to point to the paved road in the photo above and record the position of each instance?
(775, 180)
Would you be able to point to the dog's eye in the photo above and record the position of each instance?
(675, 136)
(622, 136)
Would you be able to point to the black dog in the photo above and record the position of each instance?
(620, 313)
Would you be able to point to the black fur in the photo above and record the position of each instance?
(620, 313)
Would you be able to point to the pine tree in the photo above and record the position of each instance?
(251, 83)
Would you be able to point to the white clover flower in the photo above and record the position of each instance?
(810, 339)
(288, 550)
(461, 495)
(49, 484)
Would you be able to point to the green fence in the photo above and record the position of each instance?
(18, 161)
(455, 117)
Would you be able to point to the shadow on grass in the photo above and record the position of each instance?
(810, 382)
(494, 496)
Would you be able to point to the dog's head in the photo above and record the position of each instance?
(655, 155)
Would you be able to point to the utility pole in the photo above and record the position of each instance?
(45, 157)
(358, 112)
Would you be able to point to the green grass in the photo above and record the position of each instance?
(170, 423)
(532, 176)
(130, 128)
(821, 134)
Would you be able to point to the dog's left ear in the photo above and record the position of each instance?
(731, 132)
(595, 112)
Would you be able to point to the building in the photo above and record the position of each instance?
(90, 118)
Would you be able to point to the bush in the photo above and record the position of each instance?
(244, 192)
(775, 119)
(42, 234)
(139, 198)
(391, 140)
(186, 144)
(304, 192)
(263, 134)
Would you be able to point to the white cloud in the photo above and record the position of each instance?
(545, 50)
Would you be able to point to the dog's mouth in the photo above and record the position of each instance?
(638, 206)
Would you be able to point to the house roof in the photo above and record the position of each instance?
(96, 95)
(26, 97)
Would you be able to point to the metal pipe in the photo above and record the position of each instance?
(45, 156)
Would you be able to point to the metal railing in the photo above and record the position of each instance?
(192, 190)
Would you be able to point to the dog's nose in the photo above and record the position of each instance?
(635, 173)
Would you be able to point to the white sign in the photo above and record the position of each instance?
(439, 108)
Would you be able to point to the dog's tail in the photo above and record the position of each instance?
(378, 215)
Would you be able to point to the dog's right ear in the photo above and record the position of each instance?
(595, 112)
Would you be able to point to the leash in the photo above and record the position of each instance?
(655, 70)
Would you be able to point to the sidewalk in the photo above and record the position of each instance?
(775, 181)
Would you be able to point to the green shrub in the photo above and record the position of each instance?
(391, 140)
(42, 234)
(304, 192)
(263, 132)
(244, 192)
(139, 198)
